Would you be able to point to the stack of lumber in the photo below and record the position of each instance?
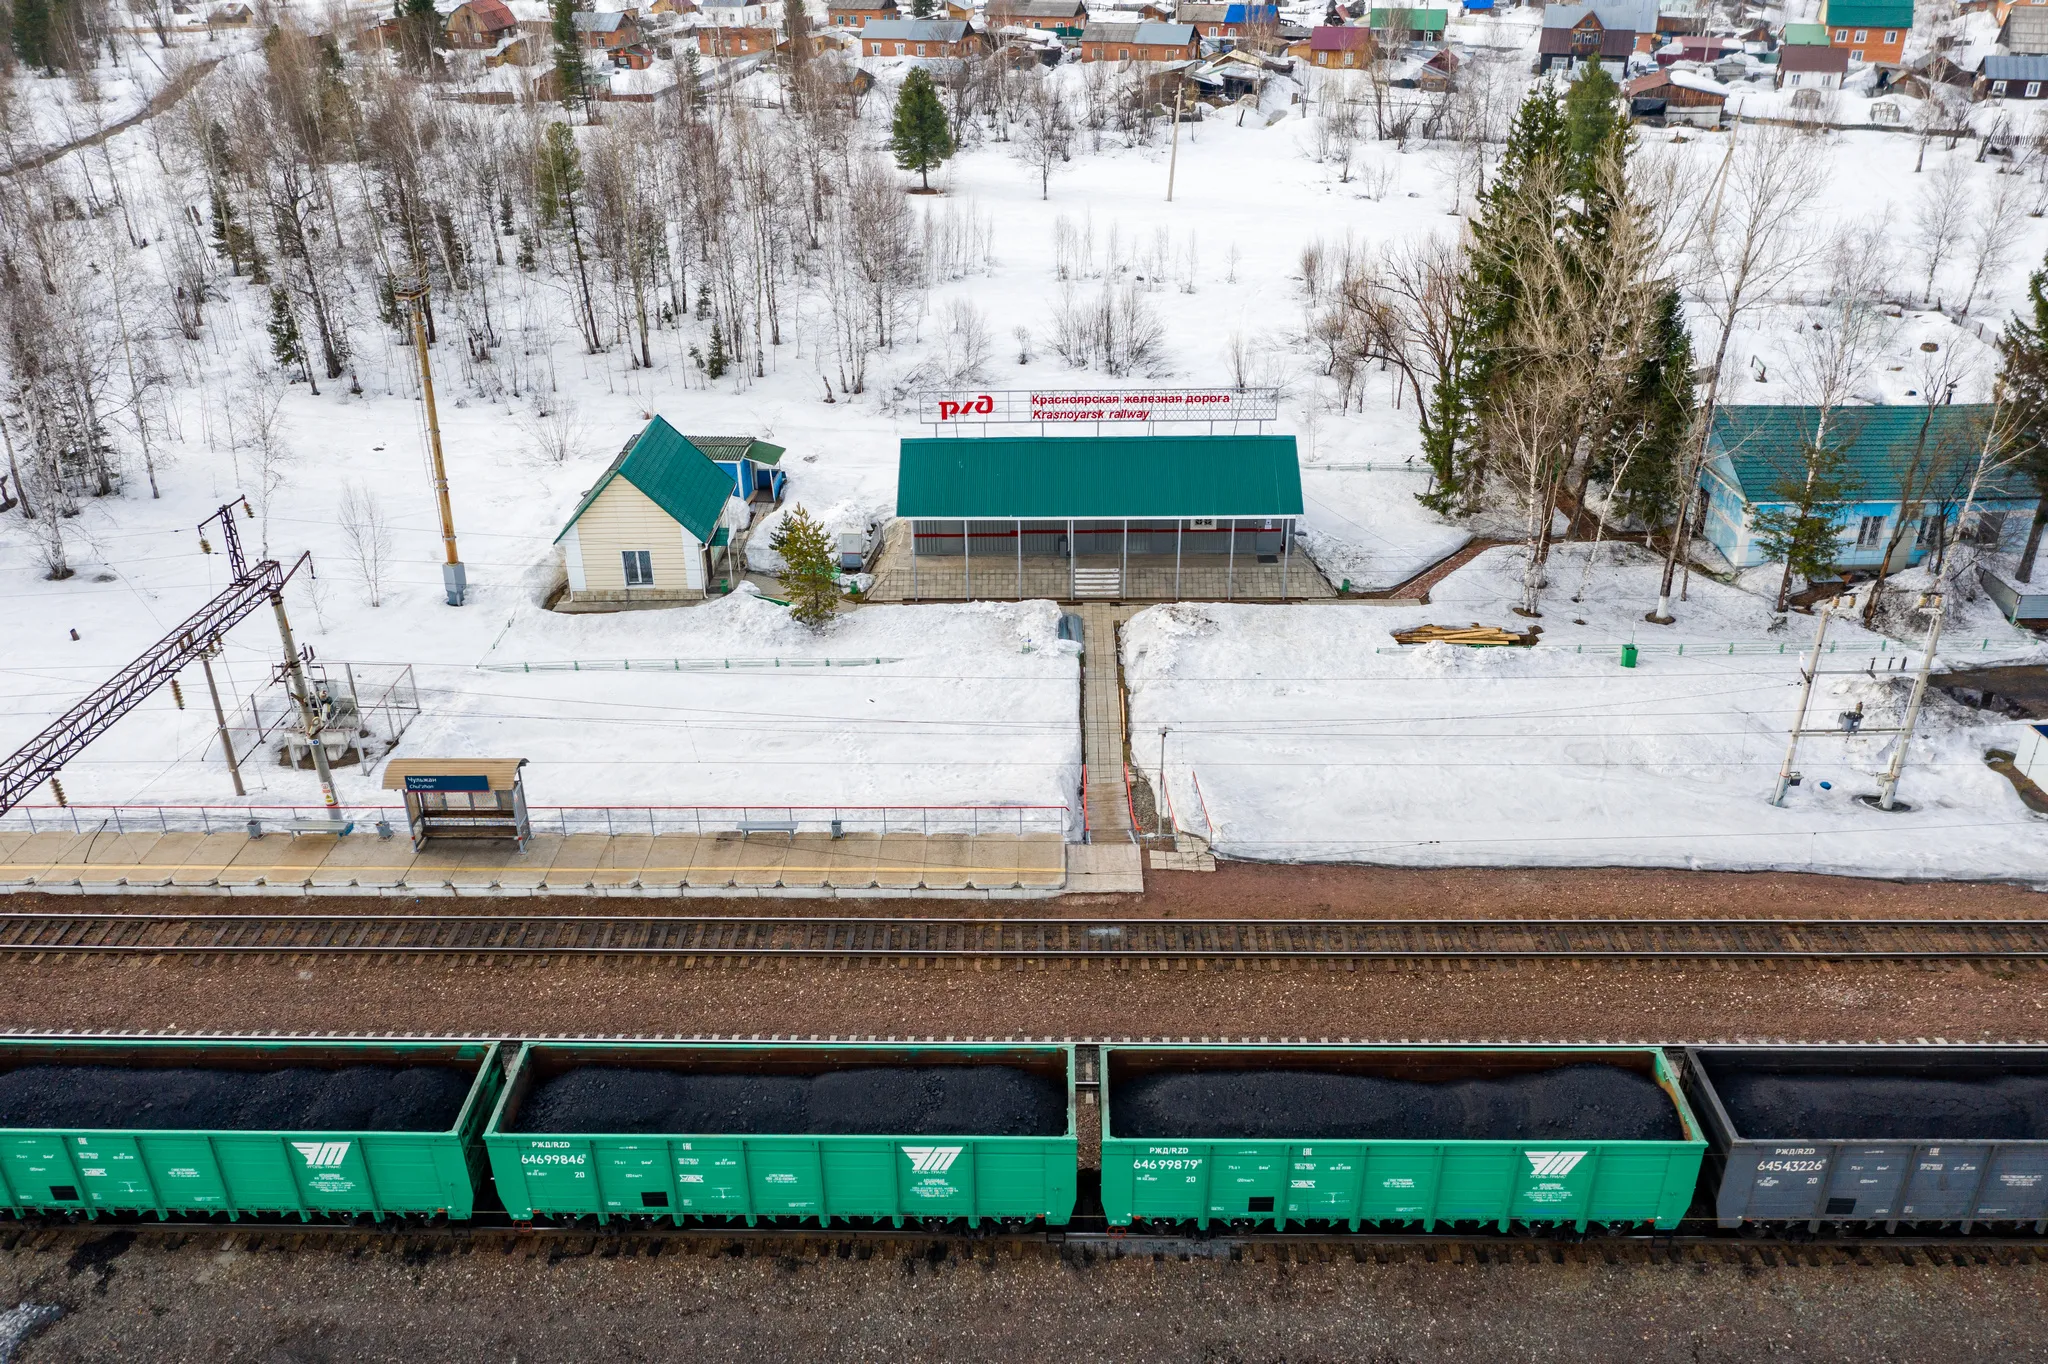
(1476, 635)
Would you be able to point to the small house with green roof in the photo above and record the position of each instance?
(1394, 25)
(1871, 31)
(1803, 35)
(1913, 462)
(656, 526)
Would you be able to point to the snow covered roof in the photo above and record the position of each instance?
(1076, 476)
(2025, 30)
(491, 15)
(1762, 445)
(676, 476)
(2001, 68)
(916, 30)
(1636, 16)
(610, 22)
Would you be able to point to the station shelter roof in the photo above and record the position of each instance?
(1062, 477)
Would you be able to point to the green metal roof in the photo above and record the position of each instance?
(1804, 35)
(1761, 446)
(1112, 476)
(736, 448)
(1867, 14)
(676, 476)
(1428, 20)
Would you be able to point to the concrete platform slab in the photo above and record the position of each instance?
(1041, 862)
(113, 860)
(619, 864)
(530, 872)
(718, 859)
(949, 861)
(205, 860)
(761, 864)
(462, 864)
(40, 859)
(576, 861)
(901, 864)
(1104, 868)
(820, 860)
(278, 861)
(363, 860)
(669, 859)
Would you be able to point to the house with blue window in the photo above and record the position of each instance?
(1905, 463)
(656, 526)
(752, 463)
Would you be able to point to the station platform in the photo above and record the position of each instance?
(721, 864)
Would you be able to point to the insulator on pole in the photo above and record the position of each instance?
(177, 693)
(57, 790)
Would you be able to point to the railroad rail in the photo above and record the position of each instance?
(726, 936)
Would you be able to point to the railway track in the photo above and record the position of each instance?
(495, 936)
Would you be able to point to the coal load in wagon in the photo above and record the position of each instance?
(362, 1098)
(1825, 1106)
(1577, 1103)
(911, 1101)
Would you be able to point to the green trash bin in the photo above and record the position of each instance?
(1628, 655)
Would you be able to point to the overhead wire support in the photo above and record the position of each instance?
(454, 577)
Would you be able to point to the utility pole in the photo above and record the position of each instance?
(308, 714)
(1159, 805)
(1173, 158)
(1805, 697)
(220, 718)
(1889, 793)
(453, 577)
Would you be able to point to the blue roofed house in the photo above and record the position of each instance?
(752, 463)
(656, 526)
(1913, 462)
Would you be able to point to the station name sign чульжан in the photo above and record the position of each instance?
(1034, 406)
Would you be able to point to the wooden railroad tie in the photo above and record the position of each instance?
(1474, 635)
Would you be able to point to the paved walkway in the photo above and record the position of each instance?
(618, 864)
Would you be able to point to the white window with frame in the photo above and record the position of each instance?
(1998, 87)
(1795, 78)
(1857, 55)
(1870, 532)
(1891, 35)
(1862, 35)
(920, 49)
(1929, 531)
(2033, 89)
(1841, 35)
(899, 49)
(639, 565)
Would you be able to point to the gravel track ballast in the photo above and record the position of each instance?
(1579, 1102)
(916, 1101)
(194, 1098)
(1832, 1106)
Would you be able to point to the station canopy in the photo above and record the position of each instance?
(1075, 477)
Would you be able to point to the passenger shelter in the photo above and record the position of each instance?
(656, 525)
(461, 798)
(1158, 518)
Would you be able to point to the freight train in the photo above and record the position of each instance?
(1328, 1138)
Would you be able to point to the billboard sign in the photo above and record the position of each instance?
(1035, 406)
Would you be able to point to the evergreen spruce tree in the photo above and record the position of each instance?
(1644, 454)
(572, 77)
(716, 362)
(1802, 527)
(419, 32)
(809, 578)
(286, 347)
(923, 9)
(920, 135)
(31, 34)
(2022, 386)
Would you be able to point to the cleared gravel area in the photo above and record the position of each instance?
(321, 1305)
(1533, 1001)
(1246, 890)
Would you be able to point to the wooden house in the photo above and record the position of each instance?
(2012, 78)
(1141, 42)
(1393, 26)
(608, 31)
(1341, 46)
(918, 38)
(1064, 17)
(480, 25)
(753, 464)
(1871, 31)
(1573, 35)
(2025, 32)
(654, 527)
(1676, 97)
(857, 14)
(1801, 66)
(1909, 462)
(734, 40)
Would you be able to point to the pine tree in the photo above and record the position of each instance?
(1802, 527)
(558, 182)
(572, 77)
(2022, 386)
(920, 135)
(419, 29)
(809, 578)
(923, 9)
(717, 362)
(31, 33)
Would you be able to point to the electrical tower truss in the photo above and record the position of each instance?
(44, 756)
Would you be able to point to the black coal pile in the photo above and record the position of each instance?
(1573, 1103)
(289, 1099)
(1828, 1105)
(915, 1101)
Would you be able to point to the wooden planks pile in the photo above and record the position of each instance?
(1475, 634)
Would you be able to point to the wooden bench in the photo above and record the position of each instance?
(296, 827)
(767, 826)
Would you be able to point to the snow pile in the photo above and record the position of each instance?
(1303, 733)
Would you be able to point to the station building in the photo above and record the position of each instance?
(1134, 518)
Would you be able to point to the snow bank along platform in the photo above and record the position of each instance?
(725, 864)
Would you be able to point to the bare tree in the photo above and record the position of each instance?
(1993, 234)
(967, 345)
(554, 431)
(365, 538)
(1941, 215)
(1044, 135)
(1933, 472)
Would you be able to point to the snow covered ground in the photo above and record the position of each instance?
(1304, 733)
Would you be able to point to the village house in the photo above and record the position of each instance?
(1207, 18)
(1908, 461)
(1342, 47)
(517, 49)
(479, 25)
(859, 15)
(917, 38)
(2001, 10)
(2012, 77)
(1605, 32)
(2025, 32)
(1439, 73)
(1803, 35)
(609, 31)
(1802, 66)
(1065, 17)
(1871, 31)
(1395, 26)
(739, 13)
(1681, 96)
(1145, 42)
(734, 40)
(654, 527)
